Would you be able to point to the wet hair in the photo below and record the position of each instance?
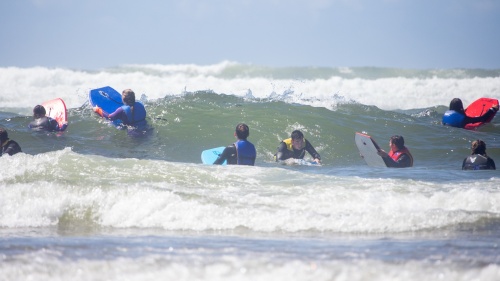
(478, 147)
(398, 141)
(128, 97)
(39, 111)
(457, 105)
(242, 131)
(3, 135)
(296, 135)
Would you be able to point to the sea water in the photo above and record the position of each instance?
(92, 203)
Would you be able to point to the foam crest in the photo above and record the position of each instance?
(38, 84)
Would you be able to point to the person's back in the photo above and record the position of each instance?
(242, 152)
(245, 152)
(44, 123)
(9, 146)
(478, 160)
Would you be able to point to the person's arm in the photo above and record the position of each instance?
(282, 152)
(310, 149)
(54, 126)
(226, 153)
(463, 163)
(404, 161)
(482, 118)
(492, 163)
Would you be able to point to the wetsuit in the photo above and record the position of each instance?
(478, 162)
(456, 119)
(135, 120)
(10, 147)
(46, 124)
(241, 152)
(399, 159)
(286, 151)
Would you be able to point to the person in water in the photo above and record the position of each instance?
(242, 152)
(8, 146)
(132, 114)
(295, 147)
(478, 160)
(44, 123)
(399, 156)
(456, 117)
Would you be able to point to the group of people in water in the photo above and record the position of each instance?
(243, 152)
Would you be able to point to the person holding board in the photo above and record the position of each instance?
(242, 152)
(456, 116)
(132, 114)
(478, 160)
(295, 147)
(44, 123)
(399, 156)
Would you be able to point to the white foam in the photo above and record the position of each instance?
(23, 87)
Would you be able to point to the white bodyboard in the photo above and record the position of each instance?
(368, 149)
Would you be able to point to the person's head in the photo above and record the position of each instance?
(242, 131)
(478, 147)
(39, 111)
(397, 141)
(3, 135)
(297, 139)
(128, 97)
(457, 105)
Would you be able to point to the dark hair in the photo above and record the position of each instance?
(478, 147)
(39, 111)
(242, 131)
(398, 141)
(457, 105)
(297, 135)
(3, 135)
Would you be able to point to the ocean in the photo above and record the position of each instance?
(92, 203)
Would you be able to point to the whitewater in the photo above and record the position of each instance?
(93, 204)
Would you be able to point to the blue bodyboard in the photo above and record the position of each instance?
(108, 99)
(210, 155)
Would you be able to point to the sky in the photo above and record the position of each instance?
(97, 34)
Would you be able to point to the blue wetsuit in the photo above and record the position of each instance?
(241, 152)
(134, 120)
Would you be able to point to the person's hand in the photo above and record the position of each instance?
(495, 107)
(97, 110)
(382, 153)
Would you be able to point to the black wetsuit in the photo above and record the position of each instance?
(46, 124)
(478, 162)
(10, 147)
(284, 153)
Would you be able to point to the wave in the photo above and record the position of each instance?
(386, 88)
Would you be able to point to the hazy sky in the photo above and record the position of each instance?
(95, 34)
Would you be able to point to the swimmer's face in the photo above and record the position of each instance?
(298, 143)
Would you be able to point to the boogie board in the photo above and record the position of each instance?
(478, 108)
(368, 149)
(106, 98)
(210, 155)
(56, 109)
